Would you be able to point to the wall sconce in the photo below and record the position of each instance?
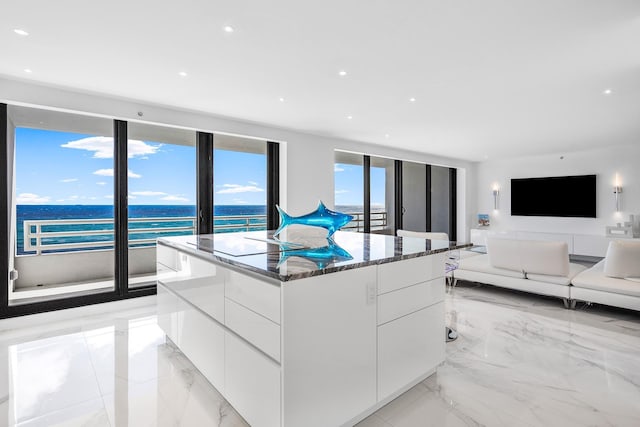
(496, 195)
(617, 190)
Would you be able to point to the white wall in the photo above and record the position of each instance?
(306, 160)
(605, 163)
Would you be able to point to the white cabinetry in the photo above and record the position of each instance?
(329, 342)
(253, 383)
(318, 351)
(409, 348)
(411, 335)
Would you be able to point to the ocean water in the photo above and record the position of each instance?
(104, 232)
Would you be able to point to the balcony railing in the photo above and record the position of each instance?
(72, 235)
(378, 221)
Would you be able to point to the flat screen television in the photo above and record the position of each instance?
(559, 196)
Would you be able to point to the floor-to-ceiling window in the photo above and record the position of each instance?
(240, 184)
(349, 187)
(86, 197)
(382, 178)
(161, 193)
(62, 227)
(386, 194)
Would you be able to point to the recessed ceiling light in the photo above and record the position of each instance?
(412, 100)
(342, 73)
(386, 135)
(183, 74)
(349, 117)
(281, 99)
(20, 32)
(228, 29)
(28, 70)
(607, 92)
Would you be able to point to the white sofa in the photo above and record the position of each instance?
(613, 281)
(539, 267)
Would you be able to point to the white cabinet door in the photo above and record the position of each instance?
(329, 347)
(252, 383)
(202, 341)
(409, 348)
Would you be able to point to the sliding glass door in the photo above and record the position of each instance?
(414, 196)
(240, 184)
(62, 205)
(161, 193)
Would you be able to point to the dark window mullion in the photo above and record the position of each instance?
(4, 211)
(273, 184)
(366, 170)
(204, 186)
(453, 204)
(121, 215)
(398, 196)
(429, 197)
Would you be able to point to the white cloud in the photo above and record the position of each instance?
(101, 183)
(74, 197)
(237, 188)
(102, 147)
(26, 198)
(175, 199)
(110, 196)
(104, 172)
(240, 202)
(148, 193)
(337, 168)
(69, 180)
(253, 183)
(341, 191)
(109, 172)
(131, 197)
(60, 200)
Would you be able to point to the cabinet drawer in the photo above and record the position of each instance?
(401, 302)
(409, 348)
(252, 383)
(202, 341)
(397, 275)
(258, 330)
(258, 296)
(199, 282)
(168, 313)
(167, 256)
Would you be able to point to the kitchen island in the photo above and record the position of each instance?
(305, 331)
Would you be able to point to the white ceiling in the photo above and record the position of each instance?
(491, 78)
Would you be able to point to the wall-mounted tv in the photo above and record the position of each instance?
(560, 196)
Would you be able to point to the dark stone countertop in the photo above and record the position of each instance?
(305, 252)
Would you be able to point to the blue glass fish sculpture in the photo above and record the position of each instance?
(322, 257)
(321, 217)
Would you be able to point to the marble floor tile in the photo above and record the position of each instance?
(520, 360)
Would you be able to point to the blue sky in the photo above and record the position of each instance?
(70, 168)
(349, 185)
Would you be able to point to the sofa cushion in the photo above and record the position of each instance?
(595, 278)
(481, 264)
(530, 256)
(548, 258)
(623, 259)
(504, 253)
(574, 269)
